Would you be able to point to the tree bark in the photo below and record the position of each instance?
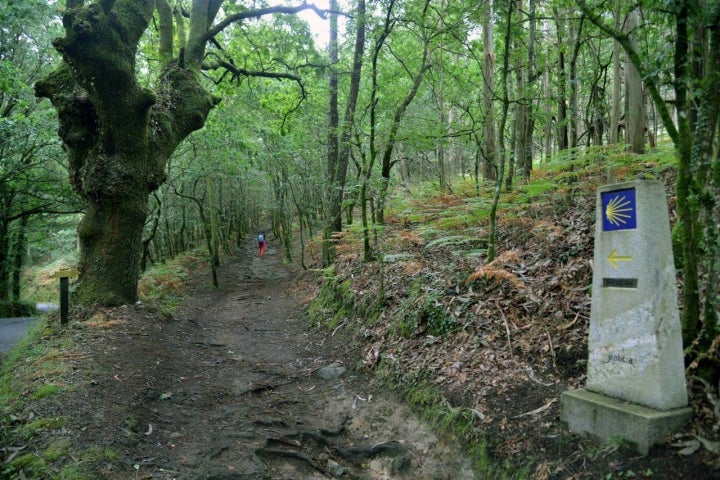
(635, 118)
(4, 260)
(521, 110)
(489, 153)
(369, 163)
(550, 128)
(387, 163)
(574, 123)
(562, 120)
(334, 221)
(504, 98)
(18, 255)
(333, 129)
(532, 77)
(118, 135)
(617, 79)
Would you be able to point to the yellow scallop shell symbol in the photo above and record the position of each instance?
(618, 210)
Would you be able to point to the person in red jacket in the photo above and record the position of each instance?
(261, 243)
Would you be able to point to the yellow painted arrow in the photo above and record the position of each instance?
(614, 258)
(66, 272)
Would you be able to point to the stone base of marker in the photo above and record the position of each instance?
(606, 418)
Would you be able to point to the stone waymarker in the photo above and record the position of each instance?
(636, 386)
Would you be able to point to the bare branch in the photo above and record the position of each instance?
(242, 72)
(249, 14)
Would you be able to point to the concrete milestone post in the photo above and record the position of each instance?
(636, 386)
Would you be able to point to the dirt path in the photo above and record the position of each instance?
(232, 388)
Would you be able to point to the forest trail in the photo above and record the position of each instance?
(231, 388)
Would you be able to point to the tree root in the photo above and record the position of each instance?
(322, 440)
(277, 452)
(356, 455)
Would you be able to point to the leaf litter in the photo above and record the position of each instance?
(517, 334)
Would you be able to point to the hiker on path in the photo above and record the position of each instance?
(261, 243)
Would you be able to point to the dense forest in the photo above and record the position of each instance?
(172, 125)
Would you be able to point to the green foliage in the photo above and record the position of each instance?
(445, 241)
(57, 449)
(421, 312)
(44, 391)
(676, 235)
(12, 309)
(458, 422)
(336, 302)
(33, 174)
(531, 191)
(332, 303)
(41, 425)
(163, 284)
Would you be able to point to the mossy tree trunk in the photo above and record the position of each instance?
(119, 135)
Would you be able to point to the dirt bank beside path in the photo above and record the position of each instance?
(237, 386)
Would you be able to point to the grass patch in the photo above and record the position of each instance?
(164, 283)
(459, 423)
(336, 302)
(44, 391)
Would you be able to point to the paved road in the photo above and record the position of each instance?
(13, 329)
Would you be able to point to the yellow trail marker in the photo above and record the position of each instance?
(66, 272)
(614, 258)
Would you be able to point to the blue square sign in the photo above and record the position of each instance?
(619, 210)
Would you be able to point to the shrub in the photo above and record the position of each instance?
(11, 309)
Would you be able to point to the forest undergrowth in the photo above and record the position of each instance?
(190, 386)
(486, 349)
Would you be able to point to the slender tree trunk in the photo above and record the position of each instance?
(148, 240)
(687, 209)
(18, 255)
(550, 129)
(369, 164)
(213, 241)
(562, 120)
(335, 208)
(574, 122)
(527, 158)
(4, 260)
(333, 132)
(635, 118)
(617, 79)
(521, 109)
(489, 153)
(440, 147)
(704, 151)
(349, 116)
(491, 251)
(387, 162)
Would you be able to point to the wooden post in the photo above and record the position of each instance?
(64, 276)
(64, 283)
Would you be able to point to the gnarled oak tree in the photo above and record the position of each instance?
(119, 134)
